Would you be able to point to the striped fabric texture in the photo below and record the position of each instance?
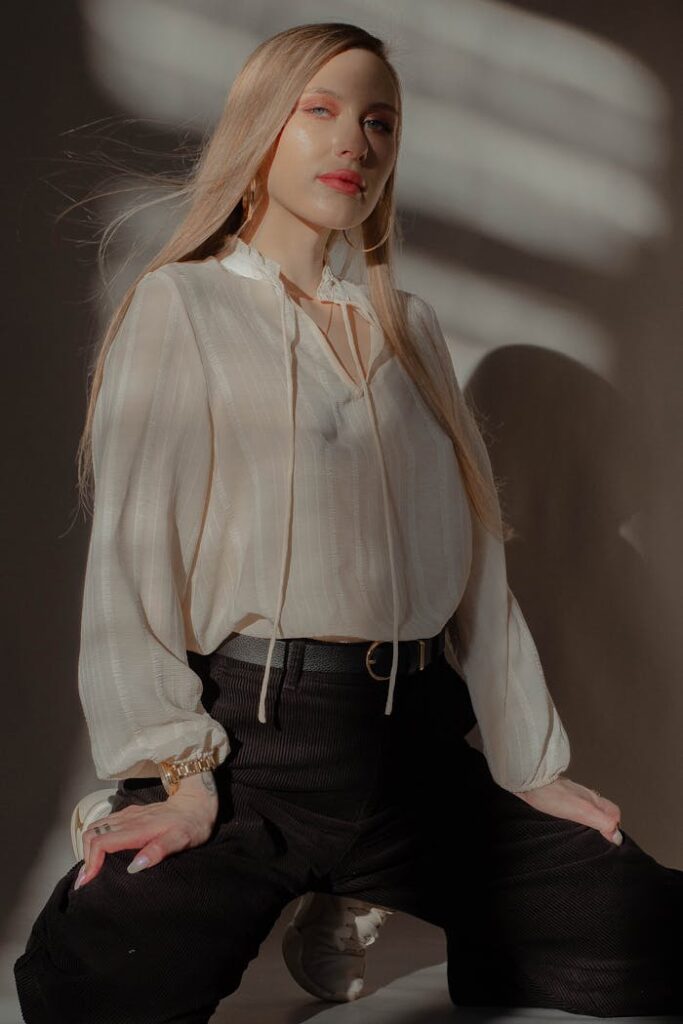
(244, 482)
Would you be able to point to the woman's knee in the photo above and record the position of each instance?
(116, 948)
(156, 939)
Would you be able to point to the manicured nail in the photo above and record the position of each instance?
(617, 837)
(138, 864)
(80, 876)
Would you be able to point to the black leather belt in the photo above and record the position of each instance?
(332, 656)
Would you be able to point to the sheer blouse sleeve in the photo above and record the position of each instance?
(489, 644)
(152, 460)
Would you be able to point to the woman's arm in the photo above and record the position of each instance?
(489, 644)
(152, 455)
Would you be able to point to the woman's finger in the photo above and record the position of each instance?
(605, 821)
(602, 814)
(612, 833)
(565, 798)
(610, 827)
(109, 822)
(155, 830)
(156, 850)
(96, 851)
(609, 819)
(123, 837)
(106, 825)
(609, 806)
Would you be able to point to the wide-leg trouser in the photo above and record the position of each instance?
(332, 795)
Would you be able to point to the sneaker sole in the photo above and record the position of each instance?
(88, 809)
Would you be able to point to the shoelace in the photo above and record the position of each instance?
(363, 927)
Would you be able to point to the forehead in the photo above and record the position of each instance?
(352, 74)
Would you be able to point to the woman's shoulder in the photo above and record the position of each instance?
(198, 284)
(183, 273)
(427, 332)
(418, 309)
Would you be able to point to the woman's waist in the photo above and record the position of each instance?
(354, 656)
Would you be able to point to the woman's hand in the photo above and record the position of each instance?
(183, 820)
(567, 799)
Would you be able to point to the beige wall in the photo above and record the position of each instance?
(547, 234)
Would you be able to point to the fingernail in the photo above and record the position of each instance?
(79, 877)
(138, 863)
(617, 837)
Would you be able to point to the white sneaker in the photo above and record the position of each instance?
(88, 809)
(324, 944)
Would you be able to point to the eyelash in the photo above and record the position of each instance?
(387, 129)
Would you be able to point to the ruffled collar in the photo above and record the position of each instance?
(249, 261)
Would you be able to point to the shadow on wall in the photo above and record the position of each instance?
(534, 189)
(574, 460)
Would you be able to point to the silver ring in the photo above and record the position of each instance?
(99, 829)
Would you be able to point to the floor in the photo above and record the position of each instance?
(405, 984)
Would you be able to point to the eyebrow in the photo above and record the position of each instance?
(331, 92)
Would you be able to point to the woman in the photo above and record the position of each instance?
(289, 482)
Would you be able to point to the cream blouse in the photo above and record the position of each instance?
(245, 483)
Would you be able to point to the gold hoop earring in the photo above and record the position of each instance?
(249, 201)
(370, 248)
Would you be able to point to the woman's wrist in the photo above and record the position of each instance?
(202, 785)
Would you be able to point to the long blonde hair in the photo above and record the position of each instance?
(257, 108)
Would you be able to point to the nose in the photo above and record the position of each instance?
(352, 142)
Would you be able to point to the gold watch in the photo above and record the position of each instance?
(172, 772)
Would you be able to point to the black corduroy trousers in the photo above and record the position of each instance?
(332, 795)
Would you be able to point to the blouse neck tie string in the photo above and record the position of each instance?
(290, 494)
(330, 289)
(387, 518)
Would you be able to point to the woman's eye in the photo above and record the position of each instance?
(385, 126)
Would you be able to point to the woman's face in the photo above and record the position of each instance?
(345, 119)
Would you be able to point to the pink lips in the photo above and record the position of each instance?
(341, 184)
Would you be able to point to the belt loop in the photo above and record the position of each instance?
(294, 660)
